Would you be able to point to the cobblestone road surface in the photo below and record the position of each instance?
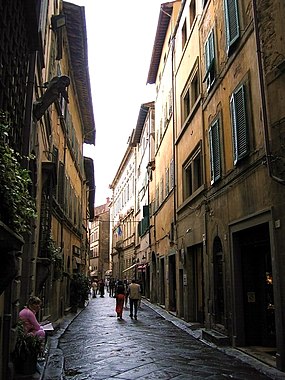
(97, 346)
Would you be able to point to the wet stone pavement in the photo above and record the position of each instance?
(96, 345)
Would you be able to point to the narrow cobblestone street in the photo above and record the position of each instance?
(98, 346)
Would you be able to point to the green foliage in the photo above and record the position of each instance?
(17, 207)
(27, 345)
(80, 288)
(54, 254)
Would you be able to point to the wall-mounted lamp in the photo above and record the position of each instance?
(188, 230)
(58, 21)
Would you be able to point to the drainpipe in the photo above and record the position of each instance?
(263, 96)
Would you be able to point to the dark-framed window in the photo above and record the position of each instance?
(190, 94)
(192, 174)
(184, 34)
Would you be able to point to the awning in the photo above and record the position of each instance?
(129, 268)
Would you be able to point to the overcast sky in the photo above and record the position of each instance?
(120, 40)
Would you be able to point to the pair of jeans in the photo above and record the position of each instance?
(133, 307)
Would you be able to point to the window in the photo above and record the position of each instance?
(239, 124)
(184, 34)
(232, 22)
(171, 175)
(215, 151)
(210, 60)
(190, 94)
(166, 182)
(161, 196)
(192, 173)
(192, 11)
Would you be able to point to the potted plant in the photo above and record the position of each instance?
(26, 351)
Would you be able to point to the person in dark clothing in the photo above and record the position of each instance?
(101, 288)
(112, 287)
(120, 299)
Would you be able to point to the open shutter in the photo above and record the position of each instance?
(210, 60)
(239, 124)
(215, 152)
(232, 22)
(209, 51)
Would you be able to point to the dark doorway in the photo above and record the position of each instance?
(162, 282)
(154, 279)
(218, 261)
(257, 286)
(181, 293)
(194, 264)
(172, 283)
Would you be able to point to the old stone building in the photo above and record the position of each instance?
(228, 187)
(122, 221)
(216, 204)
(46, 100)
(99, 261)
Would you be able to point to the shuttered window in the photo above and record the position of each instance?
(210, 60)
(171, 175)
(239, 124)
(215, 152)
(232, 22)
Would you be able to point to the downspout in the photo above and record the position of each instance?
(173, 135)
(263, 96)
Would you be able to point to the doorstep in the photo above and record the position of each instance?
(215, 337)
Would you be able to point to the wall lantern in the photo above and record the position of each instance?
(58, 21)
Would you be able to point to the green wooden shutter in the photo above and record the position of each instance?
(239, 124)
(215, 152)
(210, 60)
(232, 22)
(210, 51)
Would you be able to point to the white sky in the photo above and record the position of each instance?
(120, 41)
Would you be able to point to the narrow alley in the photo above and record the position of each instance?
(96, 345)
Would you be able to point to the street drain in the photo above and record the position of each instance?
(72, 372)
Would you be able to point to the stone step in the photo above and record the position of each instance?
(215, 337)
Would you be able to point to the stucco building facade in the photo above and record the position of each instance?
(45, 94)
(216, 193)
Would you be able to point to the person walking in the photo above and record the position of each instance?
(126, 285)
(134, 296)
(101, 288)
(112, 287)
(120, 299)
(94, 288)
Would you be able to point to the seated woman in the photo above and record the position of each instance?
(28, 317)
